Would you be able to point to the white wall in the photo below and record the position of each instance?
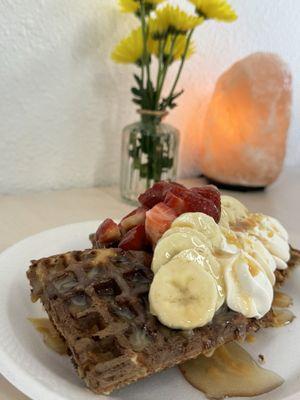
(63, 102)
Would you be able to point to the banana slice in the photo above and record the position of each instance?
(183, 295)
(188, 231)
(202, 223)
(224, 219)
(207, 261)
(231, 211)
(169, 246)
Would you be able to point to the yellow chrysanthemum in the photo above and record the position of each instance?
(130, 49)
(171, 19)
(133, 6)
(215, 9)
(178, 48)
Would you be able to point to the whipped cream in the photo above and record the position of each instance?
(248, 289)
(272, 235)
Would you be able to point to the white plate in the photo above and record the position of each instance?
(42, 374)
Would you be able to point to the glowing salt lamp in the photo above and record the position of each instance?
(243, 139)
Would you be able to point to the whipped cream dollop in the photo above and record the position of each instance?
(271, 233)
(240, 254)
(248, 289)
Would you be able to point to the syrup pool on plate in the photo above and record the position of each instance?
(230, 371)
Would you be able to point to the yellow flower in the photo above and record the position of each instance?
(130, 49)
(178, 48)
(171, 19)
(215, 9)
(133, 6)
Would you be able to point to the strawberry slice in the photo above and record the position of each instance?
(157, 193)
(210, 192)
(135, 239)
(158, 220)
(108, 232)
(195, 202)
(175, 202)
(136, 217)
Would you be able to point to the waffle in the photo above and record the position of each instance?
(98, 301)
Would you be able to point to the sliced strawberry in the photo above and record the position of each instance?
(135, 239)
(157, 193)
(195, 202)
(108, 232)
(175, 202)
(209, 192)
(177, 189)
(136, 217)
(158, 220)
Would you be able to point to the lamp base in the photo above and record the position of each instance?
(233, 187)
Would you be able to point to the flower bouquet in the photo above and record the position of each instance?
(163, 37)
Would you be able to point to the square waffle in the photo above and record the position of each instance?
(98, 301)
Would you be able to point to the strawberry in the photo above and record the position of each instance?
(175, 202)
(158, 220)
(209, 192)
(108, 232)
(158, 191)
(135, 239)
(136, 217)
(195, 202)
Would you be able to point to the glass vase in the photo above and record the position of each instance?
(149, 155)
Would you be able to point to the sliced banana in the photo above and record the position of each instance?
(202, 223)
(206, 260)
(183, 295)
(232, 210)
(169, 246)
(224, 219)
(188, 231)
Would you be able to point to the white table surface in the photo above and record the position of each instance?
(27, 214)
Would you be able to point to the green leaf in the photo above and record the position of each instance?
(135, 91)
(138, 80)
(137, 101)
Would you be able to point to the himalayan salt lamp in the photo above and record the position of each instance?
(243, 139)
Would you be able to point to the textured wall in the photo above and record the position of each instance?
(63, 102)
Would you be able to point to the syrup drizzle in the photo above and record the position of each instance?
(230, 371)
(282, 300)
(51, 337)
(283, 317)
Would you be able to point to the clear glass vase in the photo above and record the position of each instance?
(149, 155)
